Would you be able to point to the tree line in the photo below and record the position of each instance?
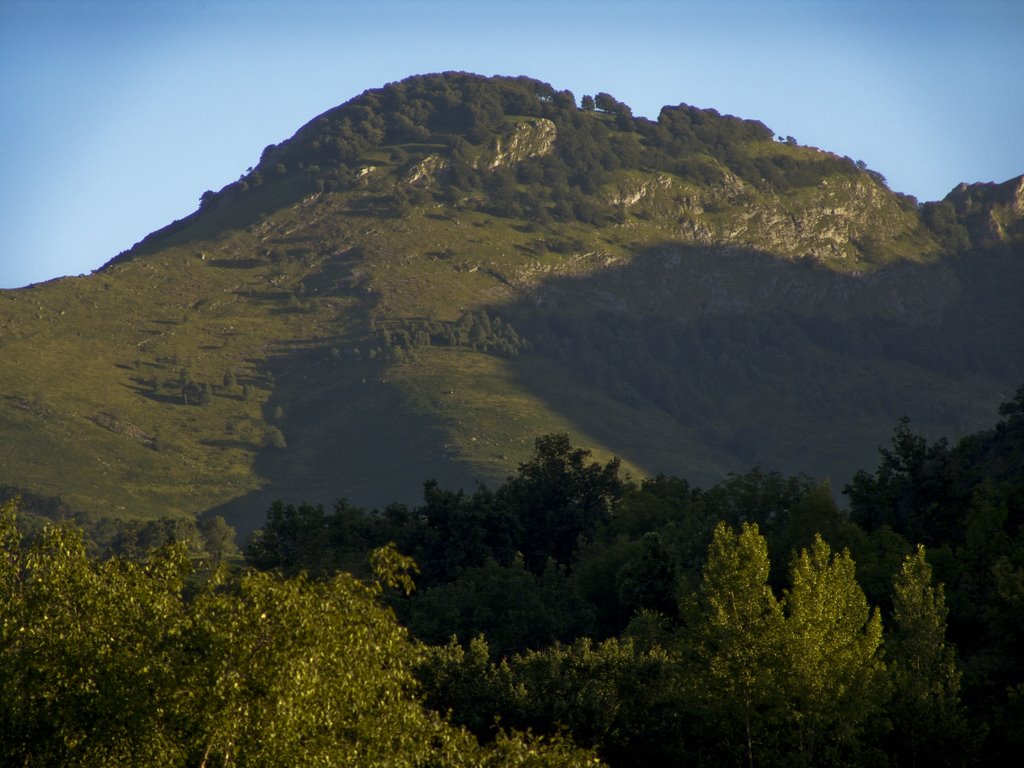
(549, 600)
(569, 614)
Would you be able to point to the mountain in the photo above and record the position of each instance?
(425, 278)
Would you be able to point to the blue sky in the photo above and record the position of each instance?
(117, 114)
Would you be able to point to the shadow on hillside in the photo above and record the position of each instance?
(157, 397)
(349, 436)
(785, 364)
(347, 431)
(737, 357)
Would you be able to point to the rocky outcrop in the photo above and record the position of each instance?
(848, 222)
(425, 171)
(843, 219)
(532, 137)
(993, 213)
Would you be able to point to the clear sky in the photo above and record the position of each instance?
(116, 115)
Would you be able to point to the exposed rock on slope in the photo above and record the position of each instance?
(532, 137)
(993, 213)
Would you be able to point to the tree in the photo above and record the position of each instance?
(916, 490)
(835, 678)
(301, 672)
(929, 726)
(195, 393)
(293, 539)
(89, 654)
(115, 662)
(940, 217)
(607, 103)
(610, 695)
(273, 437)
(739, 641)
(587, 103)
(649, 580)
(218, 538)
(560, 498)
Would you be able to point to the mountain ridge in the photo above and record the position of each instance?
(443, 268)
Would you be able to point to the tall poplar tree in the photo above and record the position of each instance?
(929, 727)
(739, 640)
(835, 681)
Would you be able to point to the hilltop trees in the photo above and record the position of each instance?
(468, 113)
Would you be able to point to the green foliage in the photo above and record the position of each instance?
(648, 581)
(748, 678)
(273, 437)
(292, 539)
(218, 539)
(88, 657)
(559, 499)
(477, 331)
(513, 607)
(916, 490)
(297, 672)
(941, 218)
(928, 724)
(749, 667)
(739, 641)
(115, 662)
(964, 502)
(835, 682)
(801, 676)
(619, 699)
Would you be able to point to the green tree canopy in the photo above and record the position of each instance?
(835, 680)
(117, 662)
(740, 642)
(929, 728)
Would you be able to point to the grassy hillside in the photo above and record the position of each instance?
(427, 277)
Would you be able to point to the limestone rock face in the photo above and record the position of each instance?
(993, 213)
(843, 221)
(840, 220)
(425, 171)
(534, 137)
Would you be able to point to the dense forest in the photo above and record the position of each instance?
(569, 615)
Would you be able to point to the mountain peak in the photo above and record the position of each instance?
(519, 149)
(425, 278)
